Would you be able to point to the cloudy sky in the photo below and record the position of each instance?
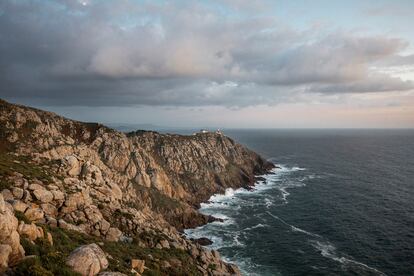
(229, 63)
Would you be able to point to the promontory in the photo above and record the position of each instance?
(84, 199)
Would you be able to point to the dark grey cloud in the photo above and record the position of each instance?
(124, 52)
(378, 83)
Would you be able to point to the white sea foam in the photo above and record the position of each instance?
(271, 181)
(296, 229)
(223, 206)
(232, 199)
(268, 203)
(255, 227)
(293, 228)
(285, 193)
(237, 241)
(224, 222)
(328, 250)
(221, 216)
(260, 226)
(245, 264)
(310, 177)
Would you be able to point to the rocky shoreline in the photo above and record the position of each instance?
(96, 200)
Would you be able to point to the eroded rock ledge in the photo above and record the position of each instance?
(135, 191)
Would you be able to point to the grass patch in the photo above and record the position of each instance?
(160, 202)
(123, 253)
(47, 261)
(212, 266)
(150, 237)
(21, 217)
(50, 260)
(32, 267)
(170, 208)
(21, 164)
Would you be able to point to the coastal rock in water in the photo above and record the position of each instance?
(88, 260)
(203, 241)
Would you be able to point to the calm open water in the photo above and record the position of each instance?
(341, 203)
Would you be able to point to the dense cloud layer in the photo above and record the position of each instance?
(123, 52)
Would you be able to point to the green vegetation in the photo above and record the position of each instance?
(212, 266)
(21, 217)
(26, 130)
(32, 267)
(24, 134)
(163, 202)
(50, 260)
(150, 237)
(123, 253)
(160, 202)
(10, 163)
(22, 164)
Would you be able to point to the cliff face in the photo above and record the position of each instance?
(104, 183)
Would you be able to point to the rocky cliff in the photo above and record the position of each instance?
(129, 194)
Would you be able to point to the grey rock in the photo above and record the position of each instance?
(113, 234)
(43, 195)
(7, 194)
(34, 214)
(88, 260)
(17, 193)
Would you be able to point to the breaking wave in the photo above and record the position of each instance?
(229, 233)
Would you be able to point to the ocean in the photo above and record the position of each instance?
(341, 202)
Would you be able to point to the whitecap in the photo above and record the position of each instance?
(326, 249)
(255, 227)
(220, 216)
(268, 203)
(237, 241)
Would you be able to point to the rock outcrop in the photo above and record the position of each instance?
(88, 260)
(11, 250)
(91, 179)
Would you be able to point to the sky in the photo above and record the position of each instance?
(227, 64)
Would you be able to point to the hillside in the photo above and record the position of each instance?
(66, 184)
